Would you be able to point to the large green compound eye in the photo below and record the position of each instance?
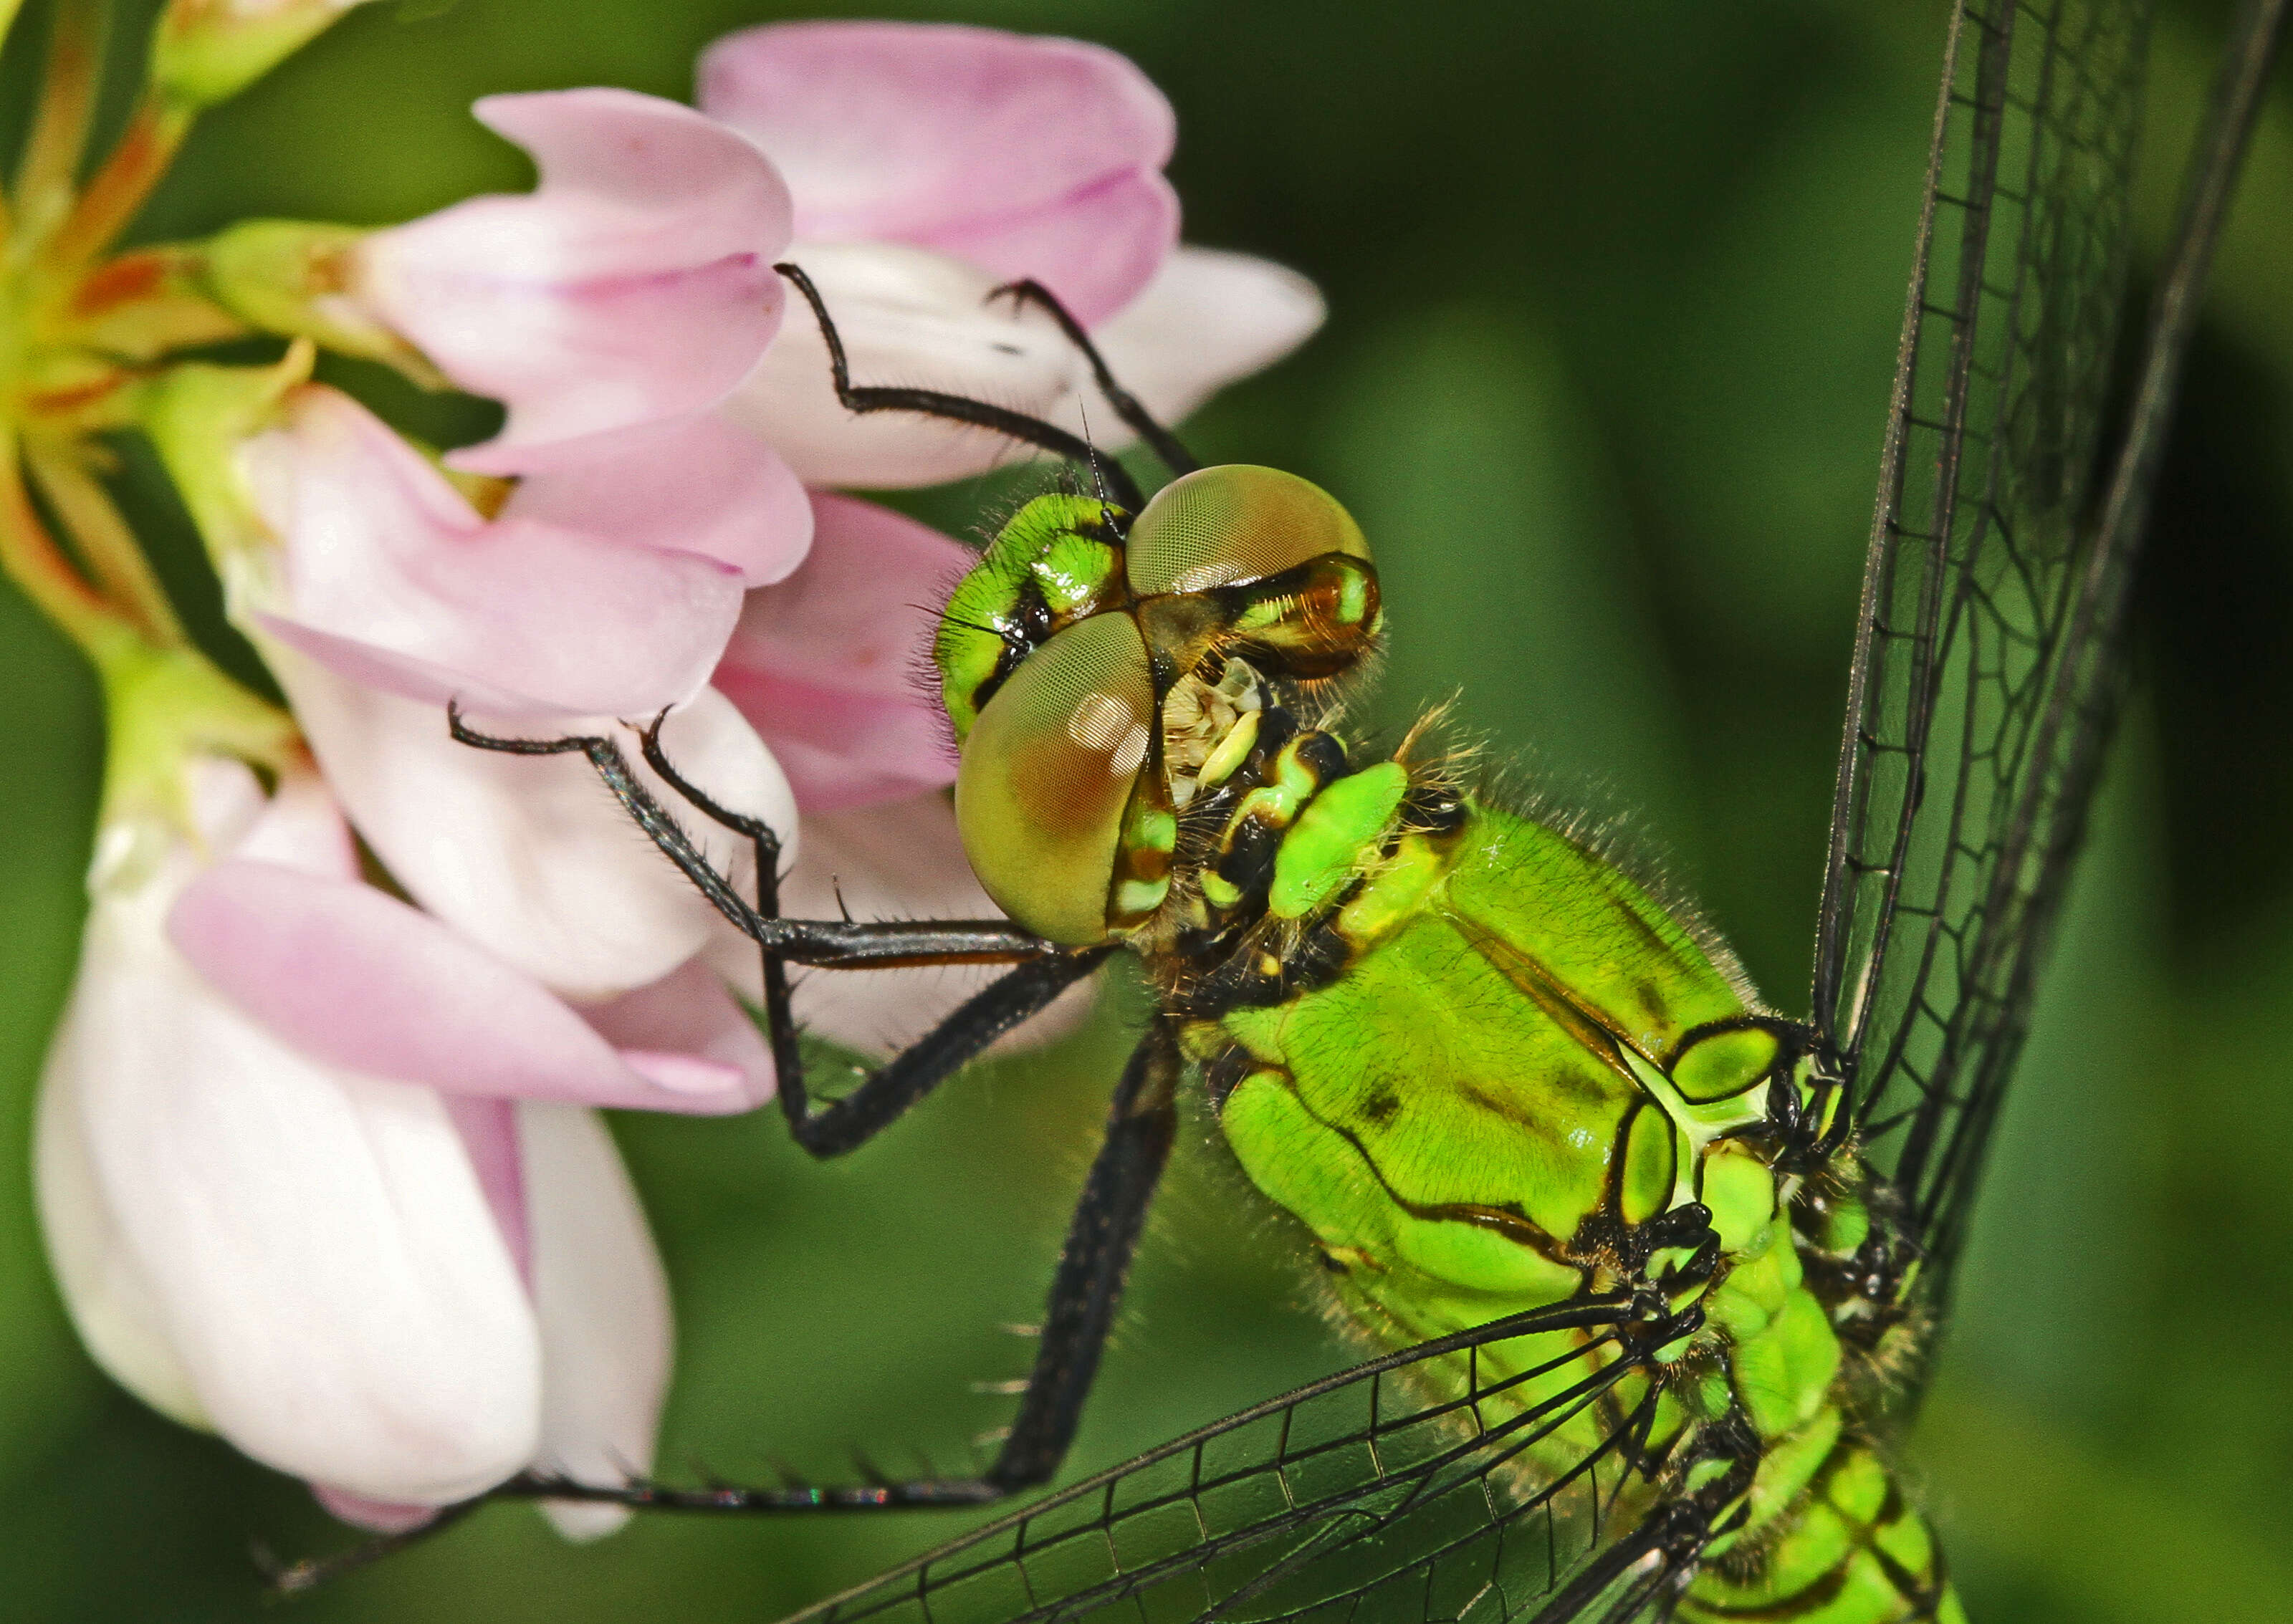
(1237, 523)
(1048, 772)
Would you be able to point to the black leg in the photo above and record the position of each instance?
(1108, 1216)
(1042, 973)
(884, 1095)
(839, 944)
(301, 1578)
(1111, 475)
(888, 1092)
(1127, 406)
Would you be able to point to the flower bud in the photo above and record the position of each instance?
(204, 52)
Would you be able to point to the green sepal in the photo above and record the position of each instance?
(164, 707)
(197, 416)
(299, 278)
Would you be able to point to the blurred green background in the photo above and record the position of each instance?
(1615, 291)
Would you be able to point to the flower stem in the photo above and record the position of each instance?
(104, 540)
(155, 132)
(50, 165)
(33, 561)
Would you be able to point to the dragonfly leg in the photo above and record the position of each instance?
(1142, 1122)
(884, 1095)
(1040, 971)
(1127, 406)
(1111, 475)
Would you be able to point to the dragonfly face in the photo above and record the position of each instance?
(1102, 671)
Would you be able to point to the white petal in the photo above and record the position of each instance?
(531, 856)
(896, 860)
(1207, 318)
(912, 319)
(603, 1300)
(113, 1307)
(919, 320)
(316, 1245)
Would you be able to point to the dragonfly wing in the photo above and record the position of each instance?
(1419, 1486)
(1978, 699)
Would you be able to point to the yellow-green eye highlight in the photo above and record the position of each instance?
(1048, 770)
(1238, 522)
(1055, 561)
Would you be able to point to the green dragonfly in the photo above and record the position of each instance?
(1661, 1267)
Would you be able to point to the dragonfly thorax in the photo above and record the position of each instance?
(1102, 670)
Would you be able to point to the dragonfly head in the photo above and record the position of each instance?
(1061, 652)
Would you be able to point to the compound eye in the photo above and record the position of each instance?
(1239, 523)
(1048, 772)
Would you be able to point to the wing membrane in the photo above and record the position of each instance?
(1420, 1485)
(1957, 802)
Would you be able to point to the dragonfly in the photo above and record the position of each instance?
(1661, 1269)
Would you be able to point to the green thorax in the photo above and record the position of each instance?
(1518, 1059)
(1514, 1074)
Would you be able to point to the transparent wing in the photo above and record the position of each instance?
(1420, 1487)
(1980, 689)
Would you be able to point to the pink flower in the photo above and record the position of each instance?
(386, 575)
(924, 166)
(832, 665)
(930, 163)
(633, 284)
(611, 309)
(377, 594)
(1022, 156)
(314, 1169)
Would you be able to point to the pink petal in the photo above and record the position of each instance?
(321, 1255)
(832, 666)
(897, 859)
(1096, 250)
(602, 1299)
(634, 282)
(358, 981)
(687, 1033)
(915, 318)
(685, 484)
(937, 134)
(375, 1516)
(527, 855)
(489, 1131)
(392, 580)
(301, 825)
